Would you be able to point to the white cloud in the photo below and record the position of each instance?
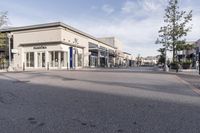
(138, 37)
(151, 5)
(136, 25)
(143, 7)
(108, 9)
(130, 6)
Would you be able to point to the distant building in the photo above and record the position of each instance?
(190, 54)
(150, 60)
(123, 59)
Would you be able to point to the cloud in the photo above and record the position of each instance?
(130, 6)
(142, 7)
(151, 5)
(108, 9)
(136, 23)
(138, 36)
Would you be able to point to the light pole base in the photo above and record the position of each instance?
(10, 69)
(166, 68)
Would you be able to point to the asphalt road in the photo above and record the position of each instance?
(97, 102)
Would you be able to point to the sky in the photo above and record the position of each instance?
(134, 22)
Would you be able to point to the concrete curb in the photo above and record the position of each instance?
(196, 90)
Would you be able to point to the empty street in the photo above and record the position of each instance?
(100, 102)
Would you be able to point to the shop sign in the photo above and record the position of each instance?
(40, 47)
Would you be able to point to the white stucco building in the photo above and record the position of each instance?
(58, 46)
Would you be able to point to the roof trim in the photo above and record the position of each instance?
(126, 53)
(49, 25)
(50, 43)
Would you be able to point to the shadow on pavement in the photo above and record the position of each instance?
(27, 107)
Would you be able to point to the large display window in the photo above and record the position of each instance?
(41, 59)
(53, 59)
(30, 59)
(58, 59)
(93, 60)
(80, 60)
(64, 59)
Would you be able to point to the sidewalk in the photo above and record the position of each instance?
(3, 70)
(186, 72)
(190, 76)
(190, 72)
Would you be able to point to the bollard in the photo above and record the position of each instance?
(47, 66)
(23, 66)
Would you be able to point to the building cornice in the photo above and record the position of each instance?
(50, 25)
(50, 43)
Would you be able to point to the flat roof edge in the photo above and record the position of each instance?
(49, 25)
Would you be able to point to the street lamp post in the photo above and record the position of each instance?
(9, 52)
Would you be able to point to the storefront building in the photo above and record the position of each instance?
(57, 46)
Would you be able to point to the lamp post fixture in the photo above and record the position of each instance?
(9, 52)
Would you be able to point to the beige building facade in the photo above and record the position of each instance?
(58, 46)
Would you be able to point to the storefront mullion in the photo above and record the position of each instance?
(59, 59)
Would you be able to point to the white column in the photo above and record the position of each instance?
(98, 58)
(83, 54)
(47, 60)
(59, 60)
(35, 60)
(108, 63)
(65, 59)
(22, 58)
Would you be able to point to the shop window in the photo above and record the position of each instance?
(80, 60)
(41, 59)
(53, 59)
(56, 59)
(30, 59)
(93, 61)
(64, 59)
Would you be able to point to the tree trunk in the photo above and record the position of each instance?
(173, 58)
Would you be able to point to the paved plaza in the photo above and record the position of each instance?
(97, 102)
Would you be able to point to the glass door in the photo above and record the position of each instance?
(41, 59)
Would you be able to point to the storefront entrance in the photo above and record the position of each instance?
(41, 60)
(93, 61)
(58, 59)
